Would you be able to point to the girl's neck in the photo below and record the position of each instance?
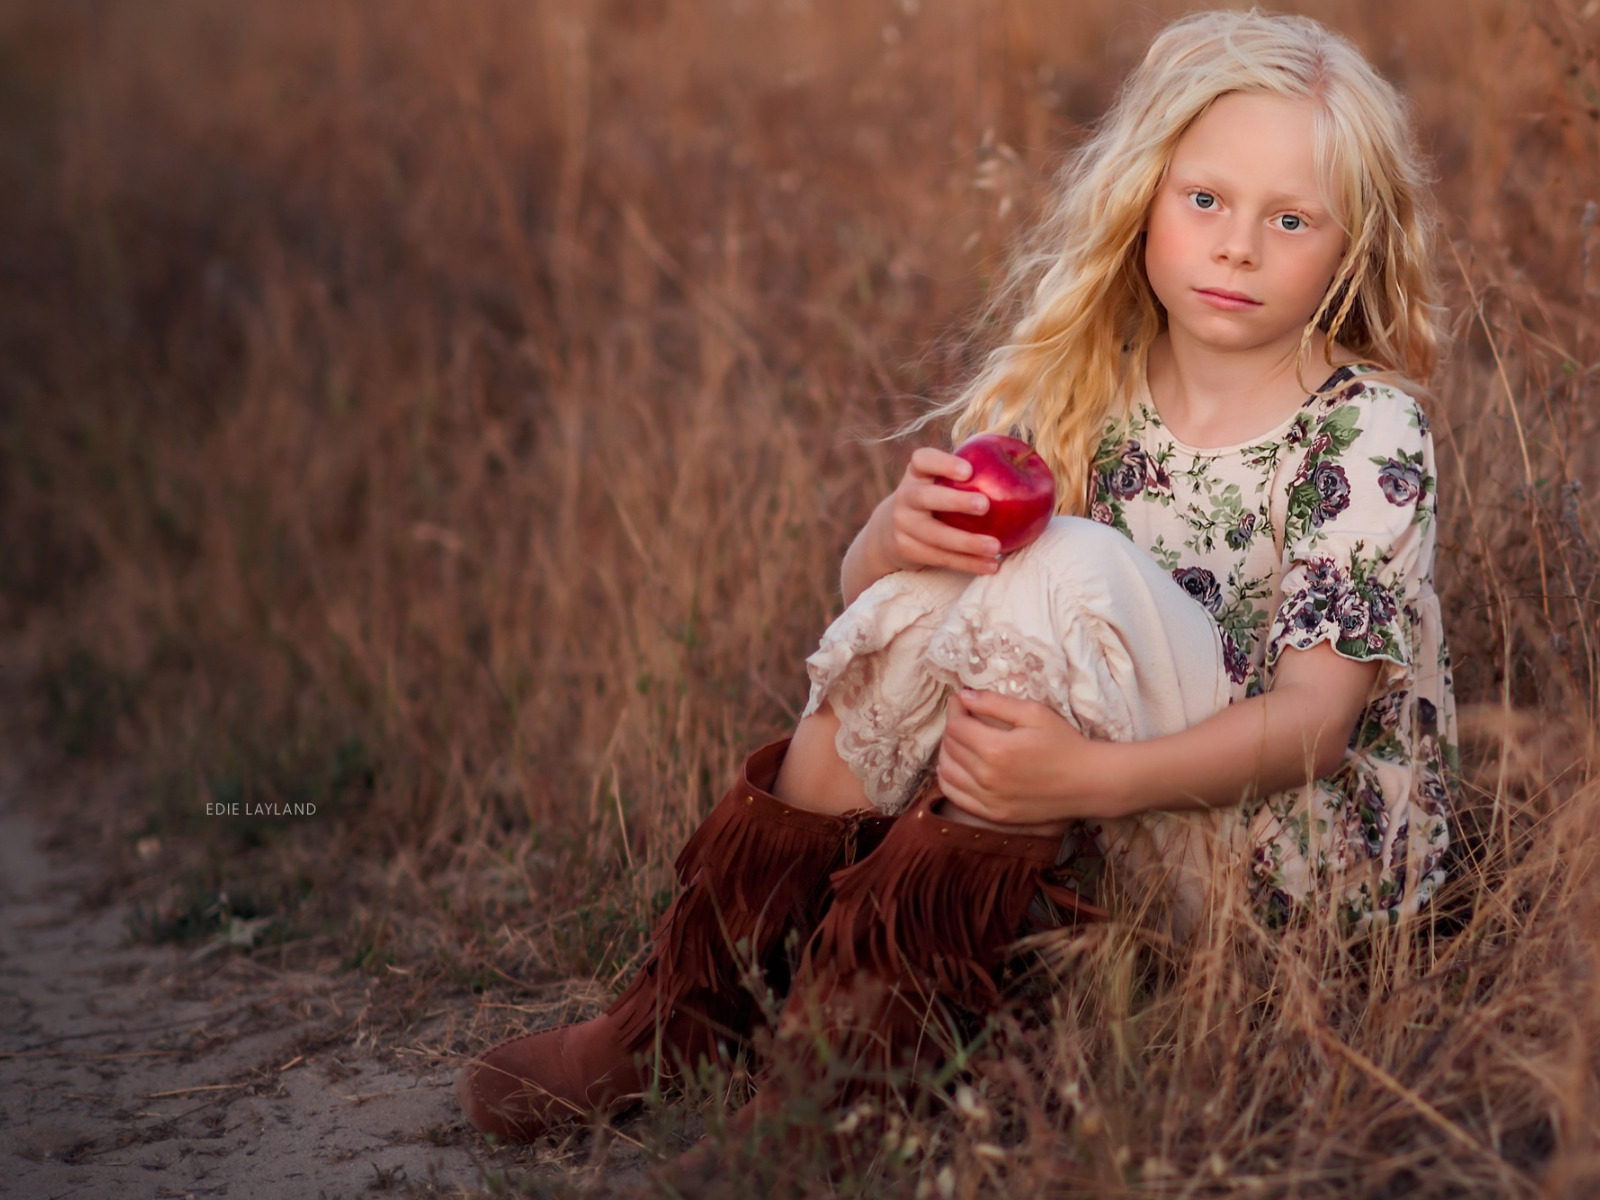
(1211, 398)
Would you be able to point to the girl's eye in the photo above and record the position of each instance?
(1291, 223)
(1203, 200)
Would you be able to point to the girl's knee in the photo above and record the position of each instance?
(1081, 533)
(1072, 545)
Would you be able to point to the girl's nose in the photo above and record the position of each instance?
(1238, 243)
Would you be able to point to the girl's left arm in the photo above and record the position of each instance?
(1017, 762)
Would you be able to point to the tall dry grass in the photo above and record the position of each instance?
(453, 415)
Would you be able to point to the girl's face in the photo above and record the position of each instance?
(1240, 243)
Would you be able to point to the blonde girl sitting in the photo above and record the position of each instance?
(1221, 667)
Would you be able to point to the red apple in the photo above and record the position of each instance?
(1021, 490)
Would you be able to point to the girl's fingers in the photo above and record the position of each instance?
(1007, 709)
(931, 463)
(963, 735)
(918, 537)
(957, 784)
(942, 546)
(963, 791)
(928, 553)
(925, 523)
(924, 486)
(935, 497)
(920, 526)
(955, 562)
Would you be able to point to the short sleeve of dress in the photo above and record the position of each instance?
(1357, 502)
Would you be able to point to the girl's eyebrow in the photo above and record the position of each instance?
(1207, 179)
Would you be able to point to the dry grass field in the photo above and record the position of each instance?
(452, 416)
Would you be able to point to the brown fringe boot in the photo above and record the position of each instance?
(909, 952)
(756, 869)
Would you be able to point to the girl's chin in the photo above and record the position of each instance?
(1234, 337)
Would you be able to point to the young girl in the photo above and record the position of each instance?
(1222, 665)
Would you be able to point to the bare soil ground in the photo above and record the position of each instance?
(130, 1070)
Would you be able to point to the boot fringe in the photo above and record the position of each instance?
(754, 870)
(910, 951)
(919, 911)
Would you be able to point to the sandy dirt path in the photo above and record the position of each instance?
(133, 1071)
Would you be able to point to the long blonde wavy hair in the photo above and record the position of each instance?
(1083, 338)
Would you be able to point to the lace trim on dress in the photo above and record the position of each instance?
(889, 735)
(972, 649)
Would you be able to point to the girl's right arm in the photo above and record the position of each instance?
(903, 532)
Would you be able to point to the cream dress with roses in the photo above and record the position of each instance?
(1322, 531)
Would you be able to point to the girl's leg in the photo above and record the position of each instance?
(813, 776)
(1083, 621)
(951, 811)
(911, 946)
(919, 929)
(755, 873)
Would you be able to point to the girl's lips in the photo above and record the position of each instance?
(1223, 298)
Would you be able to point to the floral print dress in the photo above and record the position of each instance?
(1320, 531)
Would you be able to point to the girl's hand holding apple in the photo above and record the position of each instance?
(1020, 489)
(960, 511)
(912, 532)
